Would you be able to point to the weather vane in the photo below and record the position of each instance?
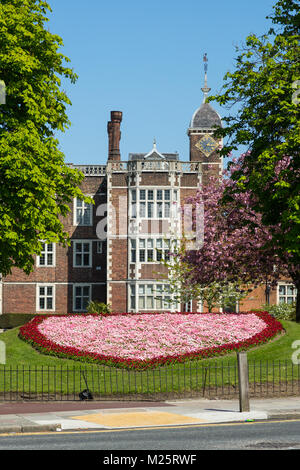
(205, 89)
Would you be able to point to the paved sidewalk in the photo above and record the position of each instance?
(72, 416)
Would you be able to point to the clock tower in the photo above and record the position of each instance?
(203, 144)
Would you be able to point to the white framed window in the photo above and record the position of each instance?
(149, 250)
(82, 294)
(83, 213)
(45, 297)
(150, 296)
(82, 254)
(153, 203)
(286, 293)
(47, 256)
(188, 306)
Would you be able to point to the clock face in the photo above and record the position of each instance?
(207, 145)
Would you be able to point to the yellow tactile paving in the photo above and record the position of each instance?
(149, 418)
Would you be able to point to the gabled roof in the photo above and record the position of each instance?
(154, 154)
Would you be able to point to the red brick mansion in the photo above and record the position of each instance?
(117, 243)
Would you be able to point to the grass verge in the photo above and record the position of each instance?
(27, 371)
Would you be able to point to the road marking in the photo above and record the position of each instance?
(134, 419)
(149, 428)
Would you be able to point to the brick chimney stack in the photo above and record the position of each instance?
(114, 135)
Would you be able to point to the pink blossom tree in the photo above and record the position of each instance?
(238, 249)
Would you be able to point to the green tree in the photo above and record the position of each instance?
(264, 85)
(36, 186)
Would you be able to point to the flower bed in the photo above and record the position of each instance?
(148, 339)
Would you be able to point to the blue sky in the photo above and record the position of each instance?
(145, 59)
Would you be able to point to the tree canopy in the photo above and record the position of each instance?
(264, 85)
(36, 186)
(267, 123)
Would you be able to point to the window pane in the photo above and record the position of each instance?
(167, 194)
(149, 289)
(141, 302)
(141, 289)
(159, 210)
(78, 303)
(85, 302)
(150, 302)
(42, 260)
(281, 300)
(281, 290)
(142, 255)
(133, 195)
(87, 215)
(42, 290)
(79, 217)
(49, 259)
(78, 247)
(150, 194)
(142, 243)
(159, 194)
(167, 209)
(142, 195)
(42, 303)
(142, 209)
(86, 290)
(132, 290)
(133, 211)
(49, 303)
(133, 256)
(290, 300)
(78, 291)
(78, 260)
(150, 255)
(86, 259)
(149, 243)
(290, 290)
(49, 290)
(86, 247)
(150, 209)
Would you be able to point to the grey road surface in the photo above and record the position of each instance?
(271, 435)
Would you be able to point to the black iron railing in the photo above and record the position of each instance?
(186, 380)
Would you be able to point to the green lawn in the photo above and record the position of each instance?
(28, 370)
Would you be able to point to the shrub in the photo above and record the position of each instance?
(98, 307)
(282, 311)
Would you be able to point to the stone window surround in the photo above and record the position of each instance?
(82, 253)
(46, 295)
(47, 252)
(82, 296)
